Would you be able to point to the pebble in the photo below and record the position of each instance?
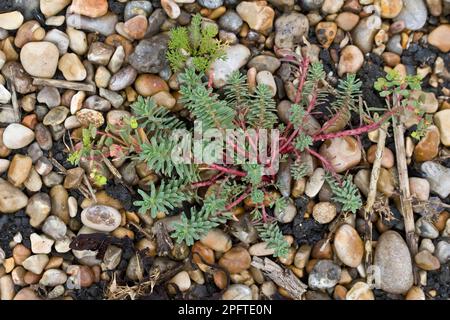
(59, 196)
(348, 246)
(347, 20)
(210, 4)
(50, 96)
(387, 160)
(77, 41)
(59, 39)
(325, 33)
(17, 136)
(54, 227)
(360, 291)
(122, 79)
(11, 198)
(114, 98)
(148, 84)
(56, 116)
(287, 214)
(350, 61)
(182, 280)
(439, 38)
(217, 240)
(135, 269)
(429, 103)
(442, 121)
(105, 25)
(290, 29)
(236, 56)
(171, 8)
(136, 27)
(56, 21)
(36, 263)
(342, 153)
(389, 8)
(426, 261)
(419, 188)
(258, 15)
(415, 293)
(266, 78)
(237, 292)
(230, 21)
(438, 176)
(149, 55)
(53, 277)
(11, 20)
(413, 13)
(324, 275)
(6, 284)
(90, 8)
(52, 7)
(41, 244)
(44, 52)
(100, 53)
(19, 169)
(426, 229)
(97, 103)
(101, 218)
(332, 6)
(364, 33)
(134, 8)
(264, 63)
(443, 251)
(428, 147)
(315, 183)
(117, 59)
(26, 294)
(112, 258)
(393, 258)
(324, 212)
(71, 67)
(88, 116)
(235, 260)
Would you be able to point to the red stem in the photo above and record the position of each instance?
(238, 200)
(227, 170)
(357, 131)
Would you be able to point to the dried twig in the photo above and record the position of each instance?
(285, 278)
(63, 84)
(368, 209)
(405, 196)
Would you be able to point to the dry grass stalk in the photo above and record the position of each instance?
(285, 278)
(368, 209)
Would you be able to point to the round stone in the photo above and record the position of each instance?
(101, 218)
(46, 53)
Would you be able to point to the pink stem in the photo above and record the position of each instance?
(227, 170)
(238, 200)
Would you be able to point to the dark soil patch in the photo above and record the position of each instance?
(371, 70)
(305, 231)
(6, 5)
(439, 280)
(121, 193)
(94, 292)
(10, 225)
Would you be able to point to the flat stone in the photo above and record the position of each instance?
(101, 218)
(36, 263)
(348, 246)
(72, 68)
(324, 275)
(11, 20)
(90, 8)
(413, 13)
(236, 56)
(46, 53)
(290, 29)
(17, 136)
(394, 260)
(11, 198)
